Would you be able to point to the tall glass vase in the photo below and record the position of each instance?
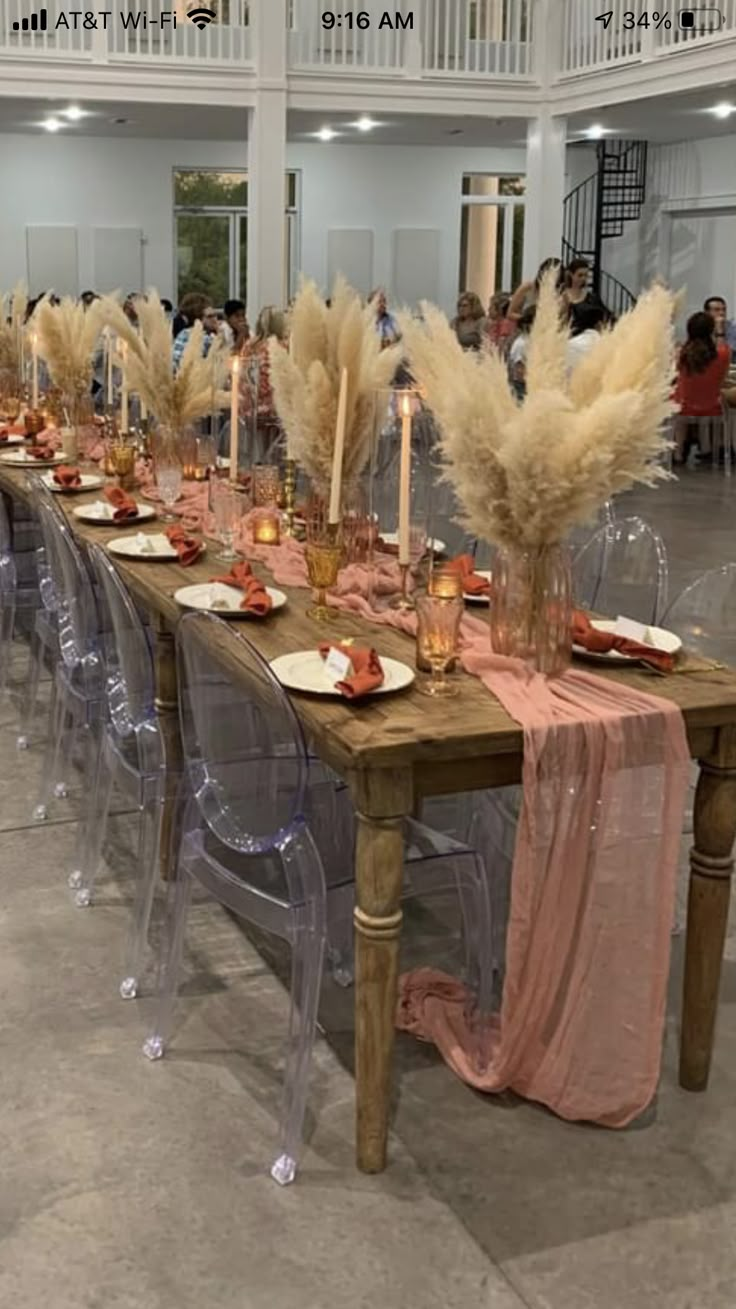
(531, 607)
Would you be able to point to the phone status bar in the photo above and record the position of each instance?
(699, 19)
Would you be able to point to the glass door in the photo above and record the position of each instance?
(203, 260)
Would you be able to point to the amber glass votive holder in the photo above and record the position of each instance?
(266, 527)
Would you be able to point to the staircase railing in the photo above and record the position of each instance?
(599, 208)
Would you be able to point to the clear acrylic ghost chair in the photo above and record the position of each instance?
(704, 615)
(131, 756)
(44, 643)
(16, 596)
(249, 837)
(581, 535)
(77, 689)
(622, 570)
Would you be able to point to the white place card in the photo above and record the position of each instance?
(338, 665)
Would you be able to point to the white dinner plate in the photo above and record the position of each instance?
(479, 599)
(102, 512)
(434, 544)
(304, 670)
(22, 459)
(218, 598)
(12, 439)
(657, 637)
(89, 482)
(152, 546)
(223, 461)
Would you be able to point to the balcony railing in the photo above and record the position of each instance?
(448, 38)
(224, 42)
(631, 35)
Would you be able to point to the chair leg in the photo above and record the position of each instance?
(28, 710)
(148, 848)
(306, 979)
(172, 947)
(99, 780)
(55, 732)
(7, 627)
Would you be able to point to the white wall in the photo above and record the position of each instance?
(94, 181)
(383, 188)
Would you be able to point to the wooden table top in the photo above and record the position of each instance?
(406, 729)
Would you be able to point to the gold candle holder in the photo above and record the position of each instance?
(34, 422)
(289, 496)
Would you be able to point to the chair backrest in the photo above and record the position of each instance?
(129, 674)
(76, 611)
(6, 541)
(622, 570)
(244, 749)
(704, 615)
(580, 536)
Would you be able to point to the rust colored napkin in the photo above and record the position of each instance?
(256, 599)
(188, 547)
(11, 429)
(67, 476)
(472, 583)
(40, 451)
(367, 671)
(584, 634)
(124, 506)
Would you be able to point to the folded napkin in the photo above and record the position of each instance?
(188, 547)
(67, 476)
(123, 505)
(590, 638)
(472, 583)
(367, 672)
(256, 599)
(11, 430)
(40, 451)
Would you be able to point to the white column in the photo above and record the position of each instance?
(545, 189)
(267, 159)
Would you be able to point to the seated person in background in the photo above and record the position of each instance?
(386, 324)
(235, 329)
(470, 323)
(716, 306)
(517, 353)
(168, 308)
(585, 328)
(256, 395)
(500, 328)
(701, 372)
(525, 296)
(196, 309)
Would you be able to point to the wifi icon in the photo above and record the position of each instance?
(201, 17)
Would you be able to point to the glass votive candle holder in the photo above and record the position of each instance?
(266, 527)
(34, 421)
(445, 584)
(266, 485)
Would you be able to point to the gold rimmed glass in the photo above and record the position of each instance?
(438, 624)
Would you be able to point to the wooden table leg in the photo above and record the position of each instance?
(711, 867)
(166, 705)
(382, 806)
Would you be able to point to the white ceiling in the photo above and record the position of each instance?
(185, 122)
(658, 119)
(664, 118)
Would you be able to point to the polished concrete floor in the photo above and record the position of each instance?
(130, 1185)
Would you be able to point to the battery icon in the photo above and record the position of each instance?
(700, 20)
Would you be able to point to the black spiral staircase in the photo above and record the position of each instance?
(599, 209)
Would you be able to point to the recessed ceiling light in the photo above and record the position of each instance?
(366, 124)
(723, 110)
(326, 134)
(52, 124)
(595, 132)
(74, 113)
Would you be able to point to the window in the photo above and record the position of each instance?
(211, 221)
(491, 233)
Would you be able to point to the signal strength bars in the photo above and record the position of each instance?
(36, 23)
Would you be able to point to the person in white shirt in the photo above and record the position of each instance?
(586, 324)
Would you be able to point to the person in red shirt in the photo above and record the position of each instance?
(701, 373)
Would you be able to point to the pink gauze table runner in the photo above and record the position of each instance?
(605, 774)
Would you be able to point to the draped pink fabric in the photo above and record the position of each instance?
(605, 774)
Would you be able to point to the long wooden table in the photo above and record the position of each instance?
(395, 750)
